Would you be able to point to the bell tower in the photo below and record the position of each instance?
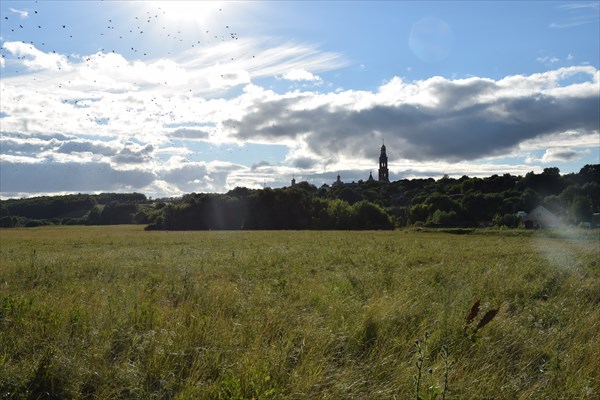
(383, 169)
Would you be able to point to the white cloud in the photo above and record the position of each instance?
(300, 74)
(35, 59)
(563, 154)
(570, 138)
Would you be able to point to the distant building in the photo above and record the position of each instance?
(384, 175)
(338, 181)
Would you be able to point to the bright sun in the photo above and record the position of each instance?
(187, 12)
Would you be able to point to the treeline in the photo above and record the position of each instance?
(446, 202)
(494, 200)
(75, 209)
(289, 208)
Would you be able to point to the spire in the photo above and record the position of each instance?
(383, 169)
(338, 181)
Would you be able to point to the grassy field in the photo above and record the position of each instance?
(116, 312)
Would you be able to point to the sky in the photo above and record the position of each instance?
(172, 97)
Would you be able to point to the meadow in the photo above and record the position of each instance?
(118, 312)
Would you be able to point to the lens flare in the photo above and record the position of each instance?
(431, 39)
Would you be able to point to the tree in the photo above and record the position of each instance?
(419, 213)
(339, 215)
(592, 191)
(350, 196)
(590, 173)
(93, 217)
(371, 216)
(582, 209)
(530, 199)
(439, 201)
(444, 218)
(553, 204)
(547, 183)
(475, 207)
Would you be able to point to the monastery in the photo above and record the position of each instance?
(383, 172)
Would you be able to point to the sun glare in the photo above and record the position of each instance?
(187, 12)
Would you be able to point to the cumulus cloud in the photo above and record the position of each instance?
(190, 134)
(437, 119)
(86, 146)
(198, 176)
(260, 164)
(304, 162)
(562, 154)
(61, 148)
(134, 154)
(18, 146)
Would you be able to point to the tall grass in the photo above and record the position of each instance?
(116, 312)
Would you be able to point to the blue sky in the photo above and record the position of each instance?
(167, 98)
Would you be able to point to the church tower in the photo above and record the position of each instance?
(383, 169)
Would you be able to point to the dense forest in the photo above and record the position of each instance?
(446, 202)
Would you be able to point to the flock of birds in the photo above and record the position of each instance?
(128, 39)
(131, 34)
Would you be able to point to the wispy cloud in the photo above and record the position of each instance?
(552, 61)
(22, 13)
(581, 5)
(547, 60)
(578, 14)
(573, 22)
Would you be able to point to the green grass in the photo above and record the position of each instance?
(116, 312)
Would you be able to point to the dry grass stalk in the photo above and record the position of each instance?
(472, 313)
(486, 319)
